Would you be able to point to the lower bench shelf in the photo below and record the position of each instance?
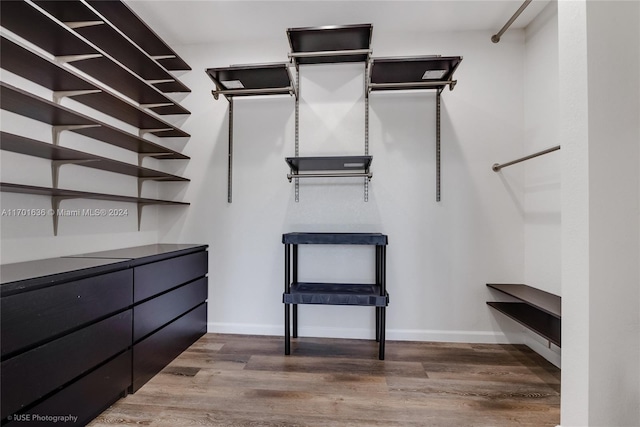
(537, 310)
(336, 294)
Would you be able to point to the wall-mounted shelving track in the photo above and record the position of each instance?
(416, 73)
(64, 82)
(248, 80)
(32, 23)
(535, 309)
(330, 45)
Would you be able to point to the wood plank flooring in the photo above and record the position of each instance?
(240, 380)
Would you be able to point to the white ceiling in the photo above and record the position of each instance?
(181, 22)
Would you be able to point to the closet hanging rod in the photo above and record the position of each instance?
(413, 85)
(258, 91)
(329, 175)
(496, 166)
(496, 37)
(330, 53)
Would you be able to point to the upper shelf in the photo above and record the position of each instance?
(57, 39)
(254, 79)
(133, 27)
(28, 105)
(330, 44)
(31, 147)
(84, 20)
(44, 72)
(419, 72)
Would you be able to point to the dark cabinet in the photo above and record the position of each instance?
(75, 338)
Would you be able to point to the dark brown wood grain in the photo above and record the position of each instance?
(241, 380)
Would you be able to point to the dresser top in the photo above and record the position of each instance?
(30, 275)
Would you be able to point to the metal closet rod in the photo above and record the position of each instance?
(496, 37)
(496, 166)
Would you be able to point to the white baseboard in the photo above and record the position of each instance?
(538, 344)
(484, 337)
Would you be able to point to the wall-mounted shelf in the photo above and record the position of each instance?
(57, 195)
(329, 166)
(416, 73)
(537, 310)
(64, 82)
(67, 46)
(249, 80)
(62, 118)
(134, 28)
(63, 155)
(330, 44)
(411, 73)
(84, 20)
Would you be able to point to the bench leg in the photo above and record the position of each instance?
(382, 329)
(287, 331)
(295, 320)
(377, 324)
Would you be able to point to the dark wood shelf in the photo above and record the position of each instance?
(305, 238)
(537, 310)
(329, 166)
(330, 44)
(44, 72)
(31, 147)
(410, 73)
(336, 294)
(254, 79)
(57, 39)
(130, 24)
(28, 105)
(112, 41)
(74, 194)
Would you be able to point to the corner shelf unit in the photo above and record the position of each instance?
(537, 310)
(66, 83)
(30, 22)
(354, 294)
(94, 38)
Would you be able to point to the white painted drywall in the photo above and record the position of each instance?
(542, 188)
(440, 255)
(600, 279)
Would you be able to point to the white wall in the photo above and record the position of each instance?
(440, 255)
(600, 202)
(542, 232)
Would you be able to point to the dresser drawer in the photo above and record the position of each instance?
(156, 312)
(31, 375)
(157, 277)
(85, 398)
(32, 317)
(153, 353)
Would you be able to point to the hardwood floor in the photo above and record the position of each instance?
(240, 380)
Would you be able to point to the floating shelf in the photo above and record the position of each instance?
(31, 147)
(65, 82)
(537, 310)
(133, 27)
(329, 166)
(89, 24)
(420, 72)
(28, 105)
(330, 44)
(336, 294)
(255, 79)
(57, 39)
